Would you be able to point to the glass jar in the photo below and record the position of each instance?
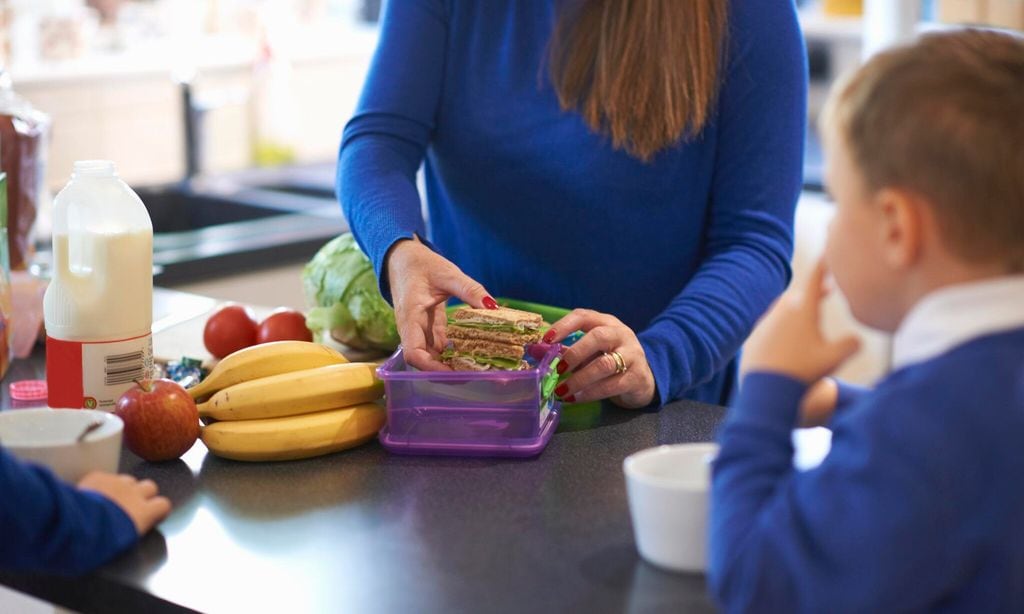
(23, 140)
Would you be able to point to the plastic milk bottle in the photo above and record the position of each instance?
(98, 308)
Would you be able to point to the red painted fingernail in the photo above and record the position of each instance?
(562, 367)
(549, 336)
(490, 303)
(561, 390)
(570, 399)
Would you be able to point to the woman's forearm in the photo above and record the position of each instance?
(704, 327)
(748, 240)
(384, 143)
(379, 198)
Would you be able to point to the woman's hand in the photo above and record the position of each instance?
(137, 498)
(421, 281)
(596, 372)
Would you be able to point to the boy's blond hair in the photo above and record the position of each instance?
(944, 119)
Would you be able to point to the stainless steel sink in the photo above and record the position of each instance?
(306, 180)
(177, 208)
(216, 226)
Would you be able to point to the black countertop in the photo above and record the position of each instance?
(367, 531)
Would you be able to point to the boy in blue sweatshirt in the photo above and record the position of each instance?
(919, 506)
(50, 526)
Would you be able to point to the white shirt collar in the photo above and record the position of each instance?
(951, 316)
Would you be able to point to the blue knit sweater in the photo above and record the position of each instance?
(688, 250)
(919, 505)
(49, 526)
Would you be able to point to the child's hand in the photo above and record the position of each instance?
(137, 498)
(819, 403)
(788, 340)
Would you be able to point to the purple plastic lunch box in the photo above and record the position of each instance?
(470, 413)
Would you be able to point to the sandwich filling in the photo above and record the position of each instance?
(483, 339)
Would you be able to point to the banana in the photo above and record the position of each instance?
(264, 360)
(299, 392)
(294, 437)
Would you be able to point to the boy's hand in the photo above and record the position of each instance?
(819, 403)
(137, 498)
(788, 340)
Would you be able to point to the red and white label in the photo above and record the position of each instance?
(95, 375)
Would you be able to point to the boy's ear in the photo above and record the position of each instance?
(901, 226)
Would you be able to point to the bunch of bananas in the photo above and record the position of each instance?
(287, 400)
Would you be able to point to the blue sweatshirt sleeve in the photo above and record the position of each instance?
(862, 532)
(848, 395)
(49, 526)
(384, 143)
(758, 172)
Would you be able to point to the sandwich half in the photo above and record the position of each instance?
(485, 339)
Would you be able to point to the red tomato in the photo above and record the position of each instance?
(284, 325)
(229, 329)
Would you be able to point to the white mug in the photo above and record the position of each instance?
(49, 437)
(667, 487)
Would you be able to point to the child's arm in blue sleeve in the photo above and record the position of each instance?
(862, 532)
(848, 394)
(47, 525)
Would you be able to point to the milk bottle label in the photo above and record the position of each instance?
(95, 375)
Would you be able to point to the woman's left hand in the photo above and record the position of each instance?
(596, 372)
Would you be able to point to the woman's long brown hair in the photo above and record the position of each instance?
(644, 72)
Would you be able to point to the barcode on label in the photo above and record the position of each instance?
(124, 368)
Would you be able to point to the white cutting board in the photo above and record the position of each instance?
(185, 338)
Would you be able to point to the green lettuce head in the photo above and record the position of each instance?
(341, 286)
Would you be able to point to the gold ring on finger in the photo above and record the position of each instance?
(620, 363)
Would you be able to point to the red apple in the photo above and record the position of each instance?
(161, 421)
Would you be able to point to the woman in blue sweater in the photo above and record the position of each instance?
(640, 159)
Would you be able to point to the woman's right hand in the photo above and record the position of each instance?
(421, 281)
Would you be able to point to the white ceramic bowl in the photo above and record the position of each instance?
(47, 436)
(668, 489)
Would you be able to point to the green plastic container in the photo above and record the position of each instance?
(575, 416)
